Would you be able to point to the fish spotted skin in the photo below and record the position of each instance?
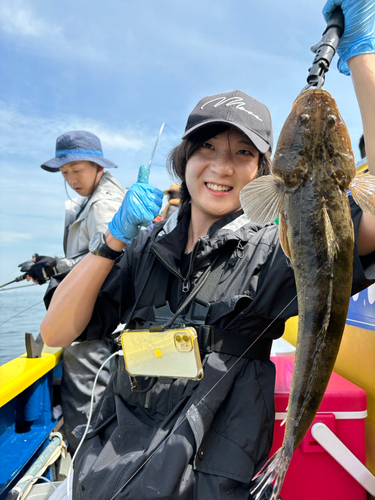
(312, 168)
(315, 161)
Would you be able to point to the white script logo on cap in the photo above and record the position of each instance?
(231, 101)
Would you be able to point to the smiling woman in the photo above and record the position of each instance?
(209, 268)
(214, 163)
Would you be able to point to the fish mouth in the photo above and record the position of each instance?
(310, 91)
(218, 188)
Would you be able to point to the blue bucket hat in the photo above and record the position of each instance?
(77, 146)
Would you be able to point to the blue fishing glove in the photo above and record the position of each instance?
(141, 205)
(358, 37)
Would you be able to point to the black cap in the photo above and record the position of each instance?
(236, 109)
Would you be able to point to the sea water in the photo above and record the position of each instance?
(21, 310)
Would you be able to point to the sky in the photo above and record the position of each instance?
(122, 68)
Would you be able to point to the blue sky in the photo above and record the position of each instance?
(120, 69)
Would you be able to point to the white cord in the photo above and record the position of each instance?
(118, 353)
(29, 481)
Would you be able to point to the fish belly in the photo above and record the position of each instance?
(321, 241)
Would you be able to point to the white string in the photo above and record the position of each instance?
(15, 287)
(213, 387)
(29, 481)
(118, 353)
(24, 310)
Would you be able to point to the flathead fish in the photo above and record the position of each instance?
(312, 170)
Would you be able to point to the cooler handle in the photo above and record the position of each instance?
(336, 448)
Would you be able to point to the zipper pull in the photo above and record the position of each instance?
(185, 286)
(240, 250)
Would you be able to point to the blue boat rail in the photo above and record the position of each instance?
(26, 411)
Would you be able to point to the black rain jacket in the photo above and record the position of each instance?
(192, 440)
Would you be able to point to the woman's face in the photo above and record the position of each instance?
(217, 171)
(82, 176)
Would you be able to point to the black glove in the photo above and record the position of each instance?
(43, 269)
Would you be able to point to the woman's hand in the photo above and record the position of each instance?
(358, 36)
(141, 205)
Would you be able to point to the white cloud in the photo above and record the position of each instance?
(12, 237)
(16, 18)
(22, 25)
(32, 135)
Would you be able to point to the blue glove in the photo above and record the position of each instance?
(141, 205)
(358, 36)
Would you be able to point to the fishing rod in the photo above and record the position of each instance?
(20, 278)
(156, 144)
(24, 267)
(325, 49)
(16, 287)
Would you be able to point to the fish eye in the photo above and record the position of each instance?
(332, 119)
(304, 118)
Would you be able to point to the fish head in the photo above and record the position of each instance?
(314, 141)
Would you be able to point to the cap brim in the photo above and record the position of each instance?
(262, 145)
(55, 164)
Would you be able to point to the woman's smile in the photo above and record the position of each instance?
(217, 171)
(218, 188)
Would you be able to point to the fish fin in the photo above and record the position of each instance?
(362, 188)
(332, 245)
(274, 470)
(262, 199)
(284, 236)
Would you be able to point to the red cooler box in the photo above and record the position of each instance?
(313, 473)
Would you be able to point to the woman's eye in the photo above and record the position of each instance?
(76, 171)
(207, 145)
(245, 152)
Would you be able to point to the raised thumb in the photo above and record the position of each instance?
(143, 174)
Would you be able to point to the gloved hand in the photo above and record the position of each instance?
(358, 37)
(43, 269)
(141, 205)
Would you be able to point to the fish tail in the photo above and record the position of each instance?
(273, 472)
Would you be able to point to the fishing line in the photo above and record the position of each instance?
(40, 301)
(6, 276)
(15, 287)
(213, 387)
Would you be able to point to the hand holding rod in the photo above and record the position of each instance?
(326, 49)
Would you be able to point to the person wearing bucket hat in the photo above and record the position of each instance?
(206, 267)
(77, 146)
(79, 157)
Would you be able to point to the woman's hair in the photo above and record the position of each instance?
(180, 155)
